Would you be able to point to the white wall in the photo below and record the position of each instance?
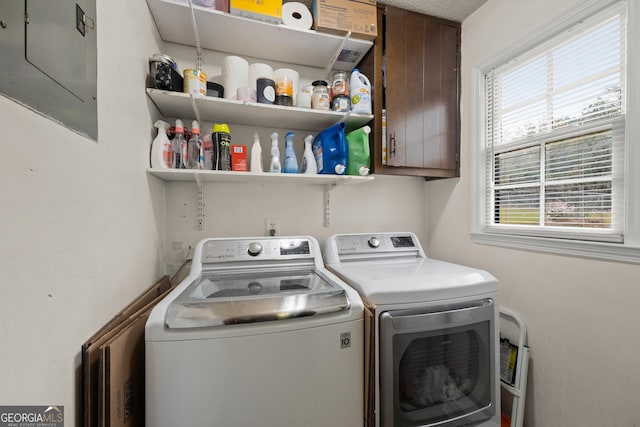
(82, 226)
(581, 314)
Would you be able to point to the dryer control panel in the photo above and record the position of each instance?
(350, 246)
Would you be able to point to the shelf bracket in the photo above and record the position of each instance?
(200, 201)
(335, 56)
(327, 203)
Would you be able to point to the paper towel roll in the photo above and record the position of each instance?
(235, 74)
(290, 74)
(259, 71)
(296, 15)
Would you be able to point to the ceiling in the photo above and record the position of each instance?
(454, 10)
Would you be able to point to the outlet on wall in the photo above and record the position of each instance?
(271, 226)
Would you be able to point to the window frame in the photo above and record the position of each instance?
(629, 249)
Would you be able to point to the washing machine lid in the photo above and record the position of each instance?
(404, 281)
(238, 297)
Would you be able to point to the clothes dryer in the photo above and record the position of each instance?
(433, 355)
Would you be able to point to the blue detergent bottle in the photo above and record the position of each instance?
(290, 164)
(330, 150)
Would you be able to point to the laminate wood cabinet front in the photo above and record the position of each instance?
(421, 58)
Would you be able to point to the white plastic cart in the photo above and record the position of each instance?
(513, 328)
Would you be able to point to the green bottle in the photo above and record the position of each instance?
(358, 155)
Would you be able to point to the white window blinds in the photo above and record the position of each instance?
(555, 135)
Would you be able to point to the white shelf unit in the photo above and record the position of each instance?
(202, 176)
(183, 105)
(202, 27)
(237, 35)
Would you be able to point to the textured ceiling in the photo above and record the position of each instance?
(454, 10)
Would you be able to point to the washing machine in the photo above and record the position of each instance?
(260, 333)
(432, 342)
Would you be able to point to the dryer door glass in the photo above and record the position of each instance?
(436, 370)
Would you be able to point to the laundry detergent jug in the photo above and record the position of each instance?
(330, 150)
(358, 156)
(360, 92)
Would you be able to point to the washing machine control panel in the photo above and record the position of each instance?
(222, 250)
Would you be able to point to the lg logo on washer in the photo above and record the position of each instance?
(345, 340)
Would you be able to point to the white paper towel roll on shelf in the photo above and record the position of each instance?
(258, 71)
(235, 74)
(289, 74)
(296, 15)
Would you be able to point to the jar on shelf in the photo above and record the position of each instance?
(340, 84)
(320, 100)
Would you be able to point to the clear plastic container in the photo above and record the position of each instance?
(320, 100)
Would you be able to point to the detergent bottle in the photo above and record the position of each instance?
(309, 165)
(290, 160)
(330, 150)
(274, 166)
(358, 156)
(360, 92)
(161, 152)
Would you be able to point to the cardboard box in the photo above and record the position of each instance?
(341, 16)
(239, 158)
(262, 10)
(93, 352)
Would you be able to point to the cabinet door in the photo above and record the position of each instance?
(421, 94)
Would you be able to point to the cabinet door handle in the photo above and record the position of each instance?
(392, 140)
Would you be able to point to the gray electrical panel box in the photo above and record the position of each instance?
(48, 51)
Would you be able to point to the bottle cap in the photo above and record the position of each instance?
(195, 127)
(221, 127)
(179, 126)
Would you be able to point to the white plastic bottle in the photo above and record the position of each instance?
(360, 92)
(195, 151)
(309, 165)
(161, 153)
(275, 154)
(256, 154)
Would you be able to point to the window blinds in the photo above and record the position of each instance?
(555, 135)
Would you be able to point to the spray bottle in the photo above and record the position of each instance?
(195, 151)
(309, 165)
(256, 154)
(161, 153)
(275, 154)
(179, 144)
(290, 160)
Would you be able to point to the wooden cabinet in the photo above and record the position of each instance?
(420, 56)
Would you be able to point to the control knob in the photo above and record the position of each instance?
(374, 242)
(254, 249)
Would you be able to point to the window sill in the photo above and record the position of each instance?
(602, 251)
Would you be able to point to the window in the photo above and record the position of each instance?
(555, 139)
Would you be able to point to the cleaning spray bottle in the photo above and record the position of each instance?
(195, 151)
(358, 156)
(275, 154)
(309, 165)
(161, 153)
(256, 154)
(178, 144)
(290, 160)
